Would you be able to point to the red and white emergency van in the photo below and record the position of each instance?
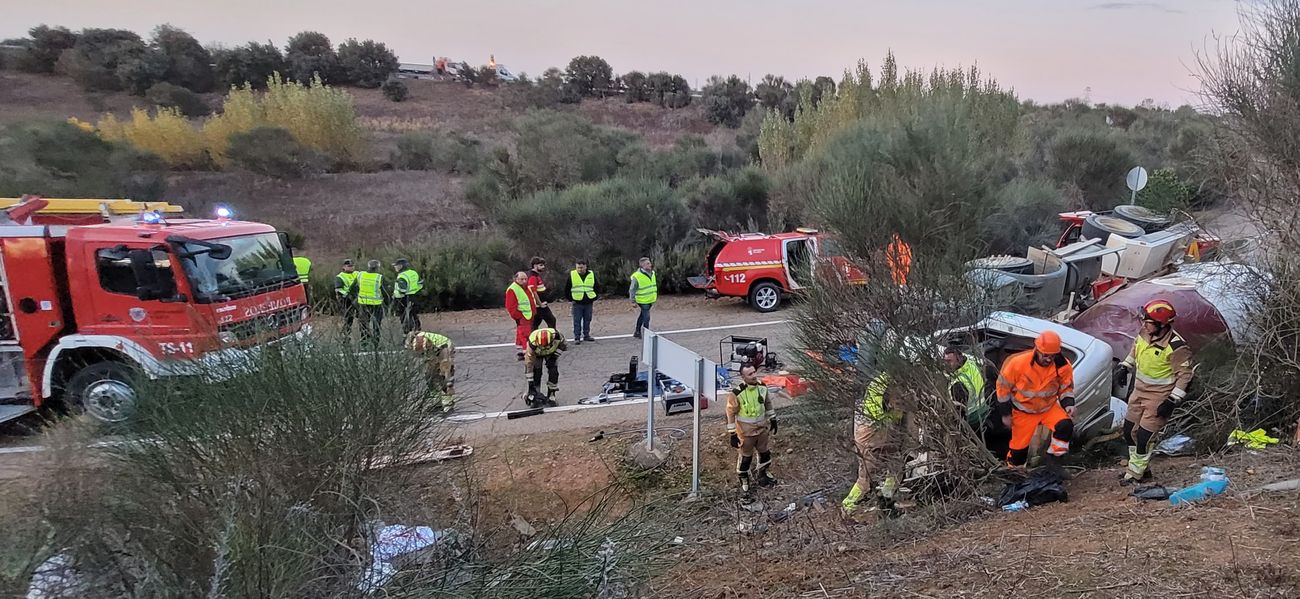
(95, 293)
(765, 267)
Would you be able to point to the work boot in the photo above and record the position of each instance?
(1129, 479)
(577, 340)
(550, 398)
(1056, 465)
(588, 338)
(765, 479)
(744, 481)
(519, 356)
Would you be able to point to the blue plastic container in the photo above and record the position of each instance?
(1198, 491)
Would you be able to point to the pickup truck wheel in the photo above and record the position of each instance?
(105, 391)
(765, 297)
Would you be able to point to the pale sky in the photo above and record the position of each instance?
(1048, 50)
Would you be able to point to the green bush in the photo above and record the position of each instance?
(667, 90)
(736, 201)
(94, 59)
(189, 64)
(63, 160)
(395, 90)
(1025, 216)
(775, 93)
(636, 87)
(310, 54)
(727, 100)
(174, 96)
(273, 151)
(1166, 192)
(1092, 162)
(47, 44)
(589, 76)
(551, 91)
(252, 64)
(366, 64)
(447, 152)
(558, 150)
(139, 73)
(604, 222)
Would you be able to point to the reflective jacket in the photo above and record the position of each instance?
(303, 265)
(345, 283)
(971, 381)
(582, 289)
(408, 283)
(1165, 360)
(645, 287)
(370, 289)
(876, 409)
(750, 407)
(1032, 388)
(518, 303)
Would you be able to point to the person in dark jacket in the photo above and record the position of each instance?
(537, 288)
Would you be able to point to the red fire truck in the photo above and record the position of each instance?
(763, 267)
(95, 293)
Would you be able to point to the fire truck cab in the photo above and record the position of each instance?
(762, 268)
(97, 293)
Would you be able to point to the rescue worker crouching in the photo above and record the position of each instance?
(750, 423)
(1161, 364)
(1036, 387)
(544, 347)
(875, 428)
(438, 351)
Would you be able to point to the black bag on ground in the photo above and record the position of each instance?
(1041, 487)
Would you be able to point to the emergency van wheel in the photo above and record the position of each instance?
(104, 391)
(765, 297)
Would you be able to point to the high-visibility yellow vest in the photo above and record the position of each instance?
(972, 379)
(647, 287)
(873, 401)
(521, 296)
(1154, 363)
(583, 288)
(349, 281)
(431, 341)
(303, 266)
(370, 289)
(752, 402)
(413, 283)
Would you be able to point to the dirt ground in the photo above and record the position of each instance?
(1100, 544)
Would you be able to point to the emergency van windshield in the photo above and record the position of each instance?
(256, 264)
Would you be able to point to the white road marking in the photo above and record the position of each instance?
(625, 336)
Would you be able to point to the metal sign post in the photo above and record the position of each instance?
(695, 419)
(651, 384)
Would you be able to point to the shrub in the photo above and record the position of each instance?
(240, 111)
(366, 64)
(310, 55)
(451, 153)
(94, 59)
(67, 160)
(636, 87)
(322, 117)
(774, 93)
(395, 90)
(188, 63)
(1166, 192)
(139, 73)
(589, 76)
(1025, 216)
(187, 102)
(1093, 163)
(166, 134)
(551, 91)
(606, 221)
(733, 202)
(274, 152)
(727, 100)
(251, 64)
(557, 150)
(47, 44)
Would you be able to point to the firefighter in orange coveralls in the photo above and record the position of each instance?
(1037, 387)
(750, 422)
(1161, 364)
(898, 255)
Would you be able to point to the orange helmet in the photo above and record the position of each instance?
(1048, 343)
(1160, 311)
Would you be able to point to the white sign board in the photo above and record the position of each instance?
(1136, 179)
(679, 363)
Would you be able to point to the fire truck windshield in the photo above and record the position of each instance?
(257, 263)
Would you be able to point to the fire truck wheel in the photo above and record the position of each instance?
(104, 391)
(765, 297)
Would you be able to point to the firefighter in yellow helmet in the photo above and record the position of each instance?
(544, 347)
(438, 350)
(1161, 364)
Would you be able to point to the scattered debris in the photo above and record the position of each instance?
(755, 506)
(420, 457)
(1256, 439)
(1213, 482)
(600, 435)
(1043, 486)
(1154, 492)
(678, 541)
(55, 577)
(390, 543)
(551, 544)
(1018, 506)
(1176, 445)
(522, 526)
